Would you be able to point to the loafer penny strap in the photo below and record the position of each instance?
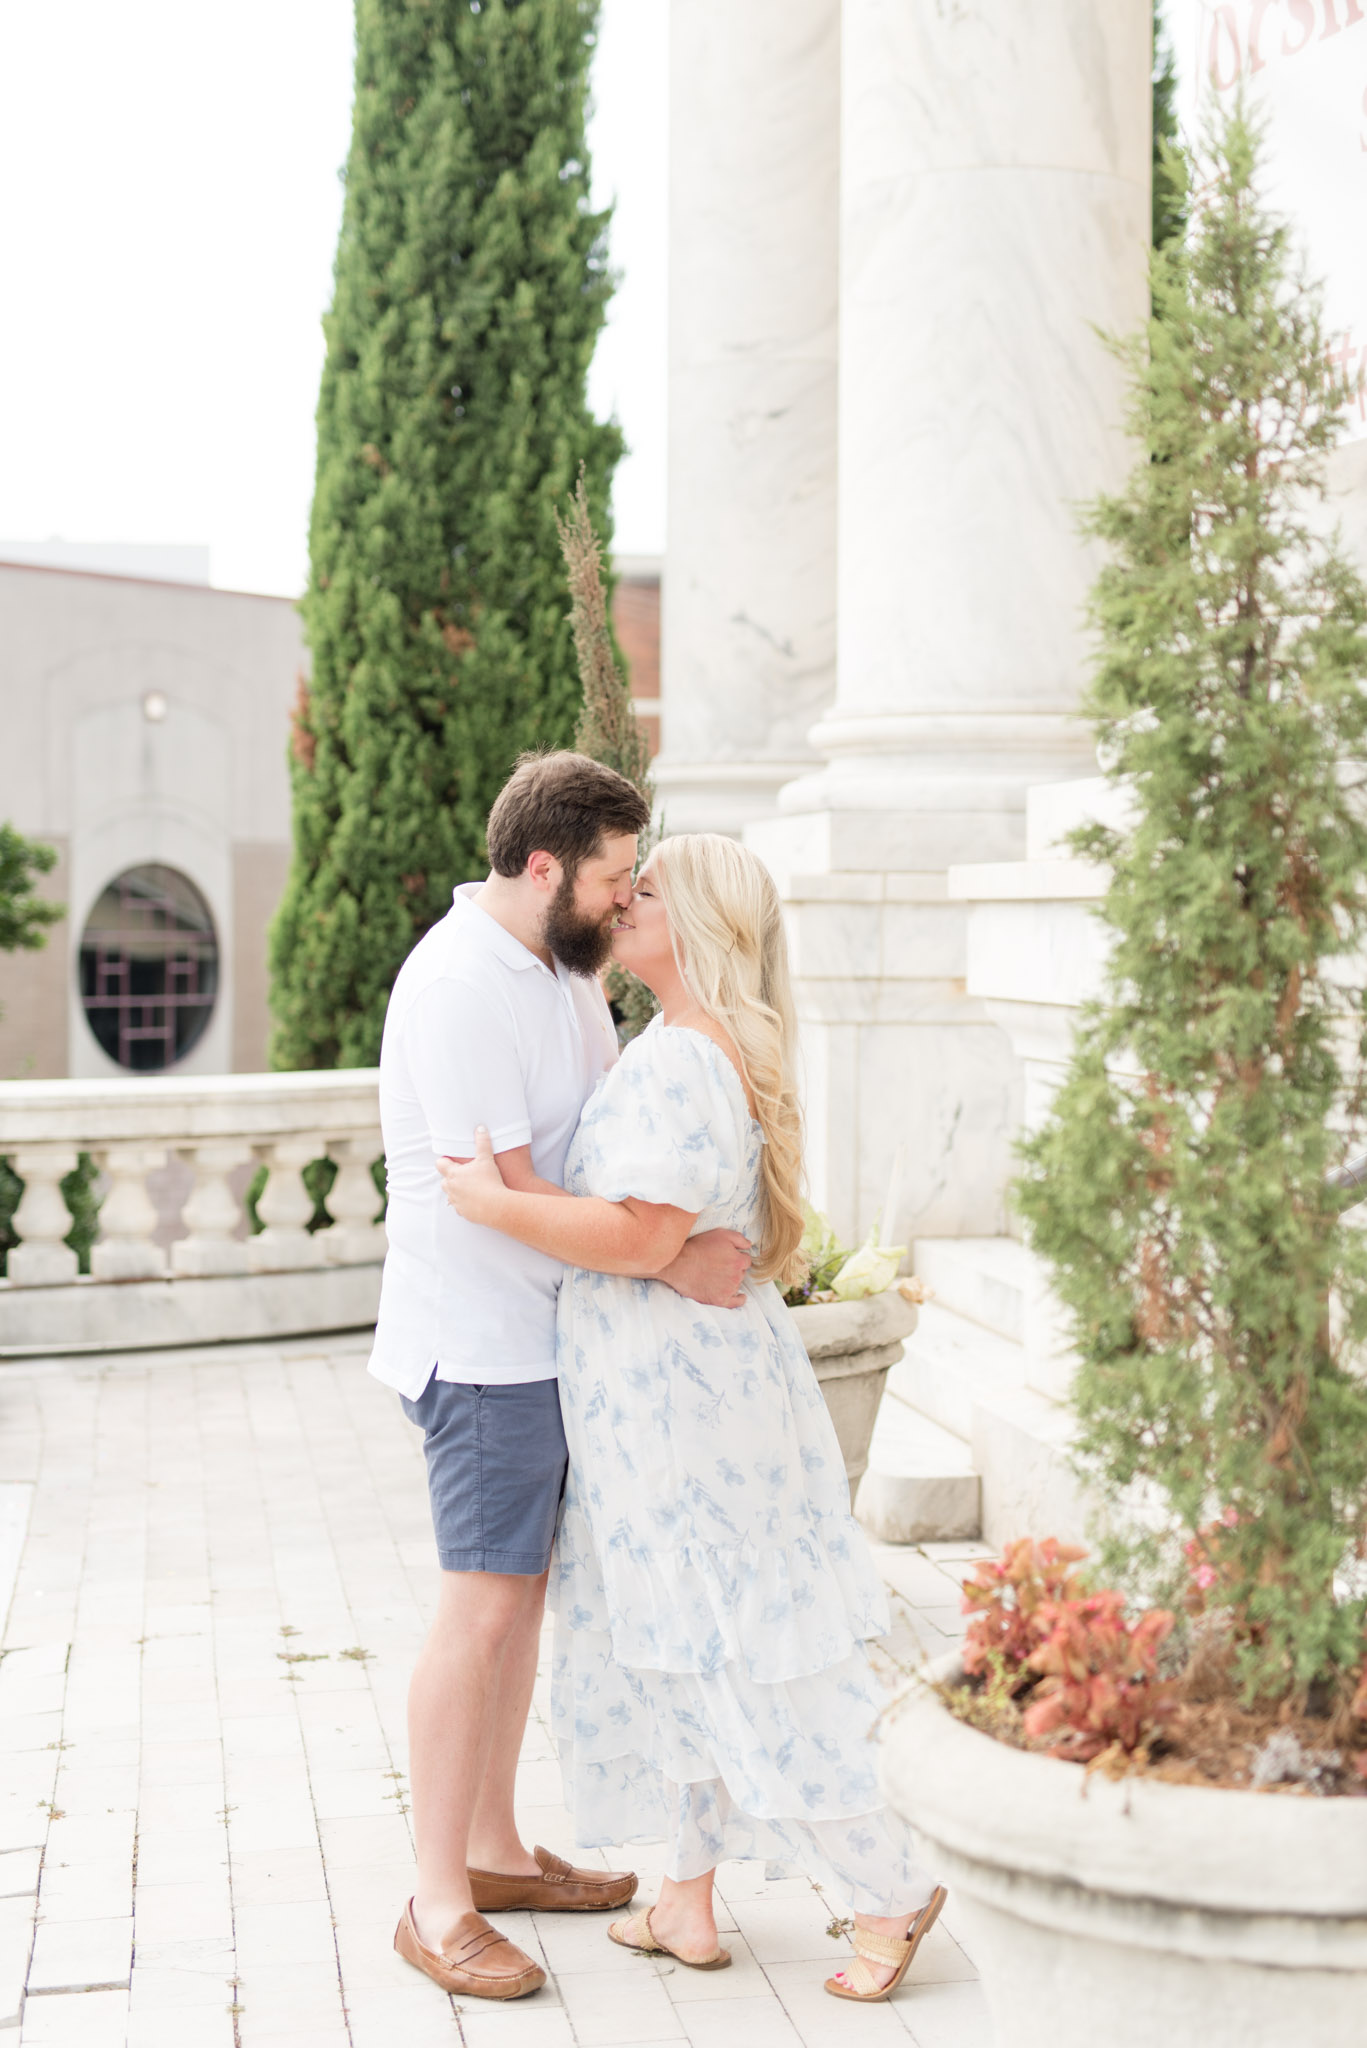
(556, 1868)
(478, 1944)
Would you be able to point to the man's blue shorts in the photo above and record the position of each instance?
(496, 1463)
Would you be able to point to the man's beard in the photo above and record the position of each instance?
(582, 944)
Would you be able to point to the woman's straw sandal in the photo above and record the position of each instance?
(648, 1943)
(863, 1987)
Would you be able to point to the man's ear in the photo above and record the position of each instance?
(544, 870)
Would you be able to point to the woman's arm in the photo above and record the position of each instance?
(636, 1239)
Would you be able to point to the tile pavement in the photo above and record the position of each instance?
(222, 1566)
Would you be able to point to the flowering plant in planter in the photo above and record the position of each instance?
(1181, 1187)
(835, 1273)
(1066, 1670)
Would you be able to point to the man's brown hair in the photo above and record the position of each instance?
(563, 804)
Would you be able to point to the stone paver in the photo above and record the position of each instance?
(222, 1567)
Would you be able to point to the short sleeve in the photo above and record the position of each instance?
(463, 1063)
(664, 1125)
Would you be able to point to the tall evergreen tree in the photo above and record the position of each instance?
(609, 729)
(1169, 182)
(1181, 1186)
(470, 288)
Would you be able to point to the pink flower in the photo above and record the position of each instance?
(1205, 1577)
(1230, 1518)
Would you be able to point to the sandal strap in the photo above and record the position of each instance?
(860, 1977)
(641, 1935)
(879, 1948)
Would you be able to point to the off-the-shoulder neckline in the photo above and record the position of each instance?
(727, 1063)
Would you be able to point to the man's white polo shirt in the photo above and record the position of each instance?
(478, 1031)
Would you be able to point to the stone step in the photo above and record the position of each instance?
(950, 1364)
(920, 1486)
(959, 1425)
(981, 1278)
(1020, 1448)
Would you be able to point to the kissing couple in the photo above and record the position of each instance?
(581, 1311)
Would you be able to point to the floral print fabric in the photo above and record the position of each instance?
(713, 1593)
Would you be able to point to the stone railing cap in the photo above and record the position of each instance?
(184, 1108)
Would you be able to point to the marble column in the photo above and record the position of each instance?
(994, 214)
(748, 656)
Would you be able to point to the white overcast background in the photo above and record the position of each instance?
(169, 203)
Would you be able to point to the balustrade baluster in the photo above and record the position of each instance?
(355, 1238)
(213, 1212)
(285, 1245)
(128, 1216)
(42, 1219)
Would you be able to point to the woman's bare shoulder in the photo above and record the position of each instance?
(709, 1027)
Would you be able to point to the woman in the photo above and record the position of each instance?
(713, 1593)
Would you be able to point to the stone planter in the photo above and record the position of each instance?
(853, 1345)
(1135, 1912)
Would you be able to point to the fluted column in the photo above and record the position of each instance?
(994, 213)
(749, 590)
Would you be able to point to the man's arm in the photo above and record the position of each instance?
(710, 1267)
(632, 1238)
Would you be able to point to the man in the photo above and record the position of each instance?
(497, 1018)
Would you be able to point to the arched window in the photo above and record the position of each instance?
(149, 967)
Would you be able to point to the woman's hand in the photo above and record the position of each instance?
(474, 1187)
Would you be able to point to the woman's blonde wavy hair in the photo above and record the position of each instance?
(727, 928)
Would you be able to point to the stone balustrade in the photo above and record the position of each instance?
(215, 1277)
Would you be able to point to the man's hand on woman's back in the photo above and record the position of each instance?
(710, 1268)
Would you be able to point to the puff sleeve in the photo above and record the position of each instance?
(666, 1125)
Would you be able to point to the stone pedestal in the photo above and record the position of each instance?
(1036, 953)
(749, 593)
(994, 213)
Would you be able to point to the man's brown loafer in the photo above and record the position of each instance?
(559, 1889)
(475, 1960)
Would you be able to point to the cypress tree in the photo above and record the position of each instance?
(1182, 1185)
(470, 288)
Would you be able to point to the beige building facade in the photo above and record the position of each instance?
(145, 727)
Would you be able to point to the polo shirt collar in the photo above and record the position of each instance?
(501, 943)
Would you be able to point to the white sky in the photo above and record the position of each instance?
(169, 204)
(1309, 74)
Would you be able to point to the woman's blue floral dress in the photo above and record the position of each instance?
(713, 1593)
